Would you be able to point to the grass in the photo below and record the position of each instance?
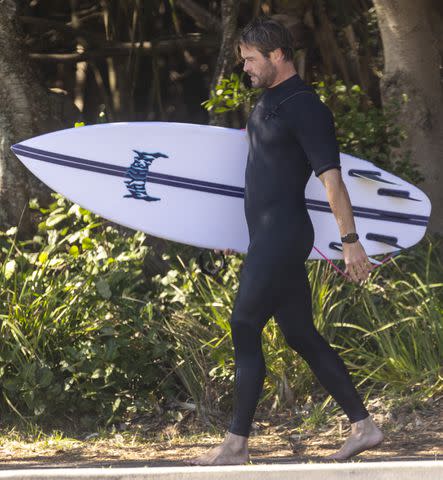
(314, 432)
(84, 327)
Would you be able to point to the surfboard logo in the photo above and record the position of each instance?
(138, 173)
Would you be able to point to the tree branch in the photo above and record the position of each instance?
(226, 56)
(61, 27)
(123, 49)
(200, 15)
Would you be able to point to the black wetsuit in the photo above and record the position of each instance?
(291, 133)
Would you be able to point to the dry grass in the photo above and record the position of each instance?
(410, 434)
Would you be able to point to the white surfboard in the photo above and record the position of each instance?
(185, 182)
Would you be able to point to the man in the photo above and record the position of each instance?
(291, 134)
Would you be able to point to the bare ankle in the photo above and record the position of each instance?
(367, 424)
(236, 442)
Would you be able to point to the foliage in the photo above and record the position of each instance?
(230, 94)
(87, 334)
(362, 129)
(365, 131)
(76, 320)
(389, 333)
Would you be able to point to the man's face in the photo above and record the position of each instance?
(261, 70)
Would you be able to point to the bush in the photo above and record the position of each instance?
(77, 320)
(88, 335)
(389, 332)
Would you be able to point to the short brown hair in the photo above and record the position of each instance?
(266, 34)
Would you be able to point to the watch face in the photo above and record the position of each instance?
(350, 238)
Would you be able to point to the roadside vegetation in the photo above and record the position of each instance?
(91, 341)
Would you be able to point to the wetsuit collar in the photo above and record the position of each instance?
(293, 80)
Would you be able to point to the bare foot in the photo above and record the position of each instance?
(233, 451)
(364, 435)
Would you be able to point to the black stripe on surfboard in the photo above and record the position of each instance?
(373, 215)
(121, 172)
(384, 213)
(22, 149)
(105, 166)
(204, 186)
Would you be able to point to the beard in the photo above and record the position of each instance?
(265, 78)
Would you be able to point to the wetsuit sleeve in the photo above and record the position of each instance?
(313, 126)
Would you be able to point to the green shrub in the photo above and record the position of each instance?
(389, 332)
(77, 320)
(88, 335)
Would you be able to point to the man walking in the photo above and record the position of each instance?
(291, 134)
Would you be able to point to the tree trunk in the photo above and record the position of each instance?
(226, 56)
(26, 110)
(412, 42)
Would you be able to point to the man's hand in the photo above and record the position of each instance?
(227, 251)
(356, 260)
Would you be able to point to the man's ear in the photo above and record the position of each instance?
(279, 56)
(276, 55)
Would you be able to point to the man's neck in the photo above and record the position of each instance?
(283, 75)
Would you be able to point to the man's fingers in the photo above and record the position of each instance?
(358, 270)
(353, 272)
(350, 271)
(227, 251)
(365, 268)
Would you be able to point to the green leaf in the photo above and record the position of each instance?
(33, 204)
(39, 409)
(116, 404)
(87, 244)
(11, 231)
(43, 257)
(103, 289)
(10, 268)
(45, 377)
(222, 109)
(55, 219)
(11, 384)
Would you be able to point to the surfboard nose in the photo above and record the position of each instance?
(15, 147)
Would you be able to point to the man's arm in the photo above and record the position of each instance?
(356, 260)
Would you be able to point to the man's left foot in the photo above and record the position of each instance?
(364, 435)
(233, 451)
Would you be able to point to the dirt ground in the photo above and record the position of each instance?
(410, 434)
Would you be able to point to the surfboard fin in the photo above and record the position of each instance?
(339, 248)
(373, 175)
(378, 237)
(336, 246)
(391, 192)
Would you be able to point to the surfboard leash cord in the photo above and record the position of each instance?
(378, 263)
(213, 272)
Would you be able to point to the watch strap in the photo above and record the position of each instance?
(350, 238)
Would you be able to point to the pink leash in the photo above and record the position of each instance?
(378, 263)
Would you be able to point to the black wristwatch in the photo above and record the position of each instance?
(350, 238)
